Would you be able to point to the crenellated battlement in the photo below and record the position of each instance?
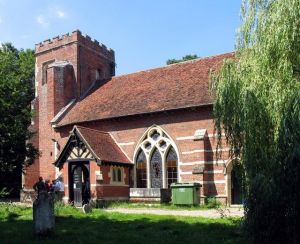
(74, 37)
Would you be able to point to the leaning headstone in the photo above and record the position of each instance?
(43, 214)
(87, 208)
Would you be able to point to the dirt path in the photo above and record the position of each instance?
(211, 213)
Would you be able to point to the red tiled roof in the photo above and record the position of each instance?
(171, 87)
(103, 145)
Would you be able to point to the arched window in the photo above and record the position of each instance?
(141, 172)
(171, 165)
(156, 151)
(156, 170)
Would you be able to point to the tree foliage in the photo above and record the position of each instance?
(16, 94)
(258, 107)
(184, 58)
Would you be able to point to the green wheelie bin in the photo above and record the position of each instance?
(186, 193)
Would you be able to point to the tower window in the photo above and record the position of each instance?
(45, 72)
(98, 74)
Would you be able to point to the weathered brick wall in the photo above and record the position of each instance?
(180, 126)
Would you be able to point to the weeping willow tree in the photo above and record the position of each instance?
(257, 106)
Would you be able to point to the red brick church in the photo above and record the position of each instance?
(124, 136)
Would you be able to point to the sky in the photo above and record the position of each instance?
(143, 33)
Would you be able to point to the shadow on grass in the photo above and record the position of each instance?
(120, 228)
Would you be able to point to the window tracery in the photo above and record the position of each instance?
(157, 157)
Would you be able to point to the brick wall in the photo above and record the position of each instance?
(180, 126)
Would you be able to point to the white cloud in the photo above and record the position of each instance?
(1, 20)
(46, 18)
(60, 14)
(42, 21)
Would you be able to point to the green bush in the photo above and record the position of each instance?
(212, 202)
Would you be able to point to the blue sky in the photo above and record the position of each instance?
(143, 33)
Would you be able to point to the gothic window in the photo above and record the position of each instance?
(141, 172)
(171, 165)
(157, 152)
(156, 170)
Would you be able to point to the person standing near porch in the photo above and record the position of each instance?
(59, 189)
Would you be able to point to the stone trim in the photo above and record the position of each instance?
(126, 143)
(203, 162)
(206, 150)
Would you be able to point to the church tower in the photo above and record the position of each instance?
(66, 69)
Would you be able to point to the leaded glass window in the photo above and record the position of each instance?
(141, 170)
(156, 170)
(171, 165)
(156, 151)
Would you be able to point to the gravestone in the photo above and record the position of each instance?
(43, 214)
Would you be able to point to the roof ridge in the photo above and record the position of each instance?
(99, 131)
(176, 64)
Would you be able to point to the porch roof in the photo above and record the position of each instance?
(100, 144)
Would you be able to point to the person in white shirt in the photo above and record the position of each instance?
(59, 189)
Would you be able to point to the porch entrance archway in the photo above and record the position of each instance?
(79, 182)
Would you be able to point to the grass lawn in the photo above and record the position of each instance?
(73, 226)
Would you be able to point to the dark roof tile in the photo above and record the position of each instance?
(103, 145)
